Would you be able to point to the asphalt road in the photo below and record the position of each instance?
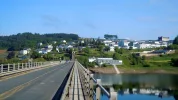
(38, 85)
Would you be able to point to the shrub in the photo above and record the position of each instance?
(174, 62)
(104, 65)
(146, 65)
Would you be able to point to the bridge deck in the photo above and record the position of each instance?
(38, 85)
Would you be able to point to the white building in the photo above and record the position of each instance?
(68, 46)
(64, 41)
(109, 61)
(23, 52)
(40, 44)
(107, 42)
(112, 48)
(82, 41)
(124, 43)
(92, 59)
(54, 42)
(144, 46)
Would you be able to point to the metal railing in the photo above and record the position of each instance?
(7, 69)
(89, 81)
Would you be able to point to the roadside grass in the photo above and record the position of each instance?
(3, 53)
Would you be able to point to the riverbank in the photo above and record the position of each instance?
(135, 70)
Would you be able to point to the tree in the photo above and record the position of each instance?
(116, 56)
(175, 40)
(107, 48)
(35, 55)
(11, 55)
(29, 40)
(87, 50)
(121, 51)
(101, 47)
(174, 62)
(144, 57)
(171, 47)
(130, 48)
(116, 49)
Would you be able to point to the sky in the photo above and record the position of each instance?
(129, 19)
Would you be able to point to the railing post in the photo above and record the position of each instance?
(91, 85)
(88, 81)
(2, 68)
(98, 89)
(22, 66)
(29, 65)
(32, 64)
(8, 67)
(35, 64)
(13, 67)
(113, 95)
(26, 65)
(18, 66)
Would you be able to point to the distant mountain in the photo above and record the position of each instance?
(30, 40)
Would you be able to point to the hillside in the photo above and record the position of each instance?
(27, 39)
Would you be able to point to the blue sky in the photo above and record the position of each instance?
(134, 19)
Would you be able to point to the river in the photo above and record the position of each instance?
(141, 86)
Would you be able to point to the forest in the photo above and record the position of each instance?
(30, 40)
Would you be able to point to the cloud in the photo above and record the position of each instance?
(52, 21)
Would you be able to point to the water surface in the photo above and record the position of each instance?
(141, 86)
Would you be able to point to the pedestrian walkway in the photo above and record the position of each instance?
(76, 92)
(117, 70)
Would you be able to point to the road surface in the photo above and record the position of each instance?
(39, 85)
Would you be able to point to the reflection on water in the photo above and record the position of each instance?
(141, 86)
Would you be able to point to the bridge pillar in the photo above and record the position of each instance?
(98, 89)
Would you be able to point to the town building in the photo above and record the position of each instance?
(108, 61)
(166, 39)
(23, 52)
(110, 37)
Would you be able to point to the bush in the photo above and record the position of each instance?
(116, 56)
(104, 65)
(174, 62)
(11, 55)
(39, 60)
(146, 65)
(91, 64)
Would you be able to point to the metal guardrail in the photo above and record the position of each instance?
(7, 69)
(89, 82)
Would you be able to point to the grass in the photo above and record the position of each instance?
(148, 69)
(3, 53)
(155, 63)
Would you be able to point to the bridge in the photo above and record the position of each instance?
(52, 80)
